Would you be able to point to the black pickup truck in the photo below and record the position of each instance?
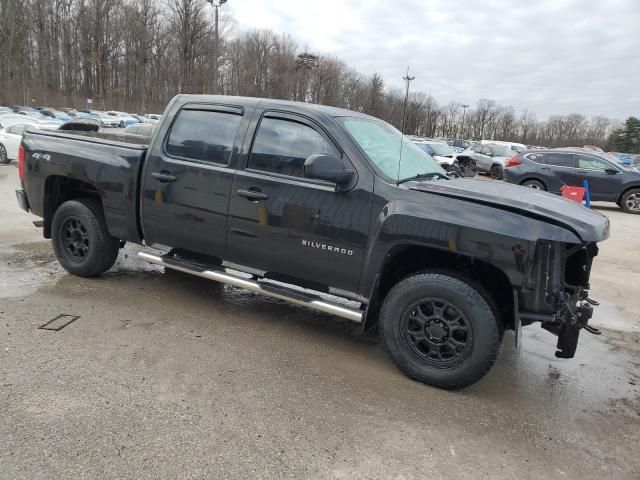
(326, 208)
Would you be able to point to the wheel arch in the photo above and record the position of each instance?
(626, 190)
(546, 187)
(59, 189)
(405, 260)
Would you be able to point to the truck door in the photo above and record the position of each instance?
(297, 229)
(187, 178)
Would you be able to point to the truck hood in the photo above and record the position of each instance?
(588, 225)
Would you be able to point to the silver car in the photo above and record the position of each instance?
(489, 158)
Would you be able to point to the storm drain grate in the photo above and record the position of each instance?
(59, 322)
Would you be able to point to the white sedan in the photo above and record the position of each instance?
(10, 138)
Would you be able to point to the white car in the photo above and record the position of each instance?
(153, 117)
(10, 138)
(444, 155)
(439, 151)
(108, 120)
(123, 118)
(516, 147)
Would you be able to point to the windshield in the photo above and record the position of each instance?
(441, 149)
(501, 151)
(516, 148)
(380, 142)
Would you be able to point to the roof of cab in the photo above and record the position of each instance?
(273, 103)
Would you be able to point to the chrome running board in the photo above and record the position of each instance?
(290, 295)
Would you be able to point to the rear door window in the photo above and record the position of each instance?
(560, 159)
(203, 135)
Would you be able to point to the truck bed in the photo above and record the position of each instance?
(109, 163)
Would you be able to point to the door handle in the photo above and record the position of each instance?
(253, 195)
(164, 176)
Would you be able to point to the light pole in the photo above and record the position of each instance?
(216, 42)
(464, 113)
(408, 80)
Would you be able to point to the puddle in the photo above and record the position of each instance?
(26, 268)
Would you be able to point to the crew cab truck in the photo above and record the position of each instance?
(328, 208)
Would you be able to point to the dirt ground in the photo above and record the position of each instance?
(168, 376)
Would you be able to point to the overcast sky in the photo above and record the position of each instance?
(550, 56)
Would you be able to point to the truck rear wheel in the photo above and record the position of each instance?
(80, 238)
(440, 329)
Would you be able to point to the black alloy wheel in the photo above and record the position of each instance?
(76, 239)
(437, 332)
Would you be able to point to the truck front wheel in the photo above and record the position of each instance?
(440, 329)
(80, 238)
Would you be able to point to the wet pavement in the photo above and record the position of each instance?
(170, 376)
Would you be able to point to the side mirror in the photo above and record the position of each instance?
(610, 171)
(328, 167)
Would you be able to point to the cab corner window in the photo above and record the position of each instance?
(203, 135)
(282, 146)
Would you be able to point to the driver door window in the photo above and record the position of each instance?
(282, 146)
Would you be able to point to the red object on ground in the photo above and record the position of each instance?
(573, 193)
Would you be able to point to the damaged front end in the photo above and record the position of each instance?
(556, 292)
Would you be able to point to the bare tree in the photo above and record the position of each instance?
(137, 54)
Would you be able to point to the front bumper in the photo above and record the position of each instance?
(22, 199)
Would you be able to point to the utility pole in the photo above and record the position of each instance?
(464, 112)
(407, 80)
(216, 42)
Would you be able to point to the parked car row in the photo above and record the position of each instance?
(13, 124)
(106, 119)
(611, 177)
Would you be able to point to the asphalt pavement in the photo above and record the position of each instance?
(168, 376)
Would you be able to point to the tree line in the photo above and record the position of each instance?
(134, 55)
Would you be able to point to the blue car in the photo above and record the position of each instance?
(52, 113)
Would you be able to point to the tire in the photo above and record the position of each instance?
(431, 315)
(4, 158)
(630, 201)
(496, 172)
(535, 184)
(121, 124)
(80, 238)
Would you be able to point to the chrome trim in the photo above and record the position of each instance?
(219, 276)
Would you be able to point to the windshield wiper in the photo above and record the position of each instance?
(420, 176)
